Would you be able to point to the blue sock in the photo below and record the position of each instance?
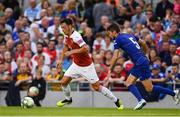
(133, 89)
(159, 89)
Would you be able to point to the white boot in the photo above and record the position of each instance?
(140, 104)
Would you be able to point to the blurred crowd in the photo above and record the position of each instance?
(31, 39)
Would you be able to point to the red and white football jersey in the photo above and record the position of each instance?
(75, 41)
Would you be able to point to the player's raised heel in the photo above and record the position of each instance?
(119, 104)
(140, 105)
(64, 102)
(176, 97)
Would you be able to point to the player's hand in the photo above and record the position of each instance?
(32, 94)
(68, 53)
(18, 83)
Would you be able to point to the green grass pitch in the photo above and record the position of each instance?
(108, 112)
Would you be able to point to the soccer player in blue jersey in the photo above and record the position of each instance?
(130, 45)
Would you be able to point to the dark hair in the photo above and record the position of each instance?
(67, 21)
(99, 35)
(114, 27)
(40, 43)
(175, 64)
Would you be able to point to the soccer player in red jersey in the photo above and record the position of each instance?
(82, 65)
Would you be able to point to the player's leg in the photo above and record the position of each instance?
(69, 74)
(130, 83)
(89, 73)
(158, 89)
(66, 90)
(106, 92)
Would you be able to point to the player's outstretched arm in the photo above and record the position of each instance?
(114, 59)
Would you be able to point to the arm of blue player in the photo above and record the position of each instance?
(143, 45)
(114, 59)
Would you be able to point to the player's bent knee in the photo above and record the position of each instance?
(149, 89)
(65, 81)
(96, 88)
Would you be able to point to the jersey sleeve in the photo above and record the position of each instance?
(116, 44)
(77, 38)
(136, 38)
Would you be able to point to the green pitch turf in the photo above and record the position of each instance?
(48, 111)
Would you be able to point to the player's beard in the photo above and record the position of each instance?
(40, 51)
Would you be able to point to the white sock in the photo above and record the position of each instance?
(67, 91)
(106, 92)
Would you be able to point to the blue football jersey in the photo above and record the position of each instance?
(129, 44)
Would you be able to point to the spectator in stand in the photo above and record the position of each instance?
(70, 9)
(19, 51)
(40, 64)
(172, 47)
(122, 15)
(174, 77)
(59, 45)
(157, 34)
(149, 41)
(28, 58)
(101, 9)
(176, 7)
(17, 34)
(12, 66)
(56, 26)
(58, 8)
(101, 73)
(88, 14)
(2, 48)
(107, 57)
(32, 11)
(89, 37)
(98, 59)
(165, 53)
(118, 75)
(25, 24)
(131, 8)
(10, 45)
(3, 24)
(4, 74)
(152, 55)
(174, 73)
(109, 44)
(139, 17)
(161, 8)
(104, 23)
(43, 13)
(54, 75)
(45, 4)
(8, 14)
(40, 53)
(51, 50)
(13, 4)
(167, 19)
(21, 76)
(38, 30)
(39, 82)
(99, 43)
(175, 60)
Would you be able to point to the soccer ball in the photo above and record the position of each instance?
(34, 90)
(27, 102)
